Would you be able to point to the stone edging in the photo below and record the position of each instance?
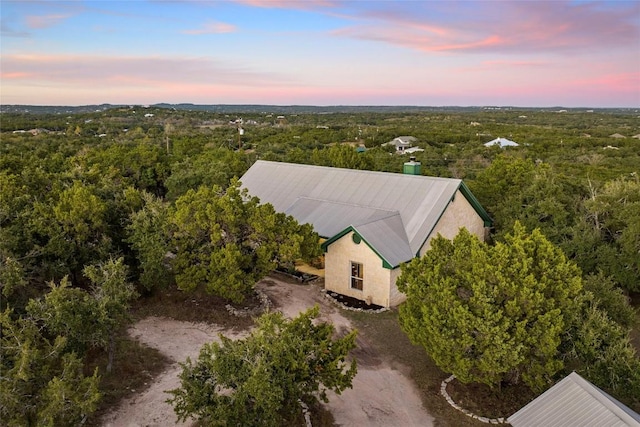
(327, 294)
(443, 391)
(265, 304)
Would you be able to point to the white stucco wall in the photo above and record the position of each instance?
(459, 214)
(337, 264)
(379, 282)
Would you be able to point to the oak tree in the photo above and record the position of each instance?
(260, 380)
(226, 241)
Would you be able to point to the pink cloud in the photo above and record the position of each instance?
(290, 4)
(44, 21)
(213, 27)
(505, 27)
(152, 71)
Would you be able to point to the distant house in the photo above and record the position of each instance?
(617, 135)
(373, 222)
(502, 142)
(574, 402)
(412, 150)
(401, 143)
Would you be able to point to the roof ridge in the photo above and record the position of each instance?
(363, 171)
(391, 214)
(348, 204)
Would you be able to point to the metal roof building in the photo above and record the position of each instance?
(502, 142)
(394, 214)
(397, 211)
(575, 402)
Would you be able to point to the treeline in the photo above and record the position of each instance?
(96, 208)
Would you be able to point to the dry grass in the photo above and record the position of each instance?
(134, 368)
(385, 335)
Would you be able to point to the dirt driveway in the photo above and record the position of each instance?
(381, 396)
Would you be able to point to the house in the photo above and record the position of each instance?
(373, 222)
(412, 150)
(401, 143)
(502, 142)
(574, 402)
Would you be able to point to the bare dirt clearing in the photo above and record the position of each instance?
(381, 395)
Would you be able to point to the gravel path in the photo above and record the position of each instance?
(381, 396)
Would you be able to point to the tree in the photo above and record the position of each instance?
(260, 380)
(226, 241)
(149, 238)
(42, 384)
(599, 348)
(212, 167)
(491, 313)
(88, 319)
(614, 216)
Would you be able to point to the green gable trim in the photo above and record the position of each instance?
(348, 230)
(488, 222)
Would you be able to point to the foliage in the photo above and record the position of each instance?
(149, 239)
(215, 167)
(614, 214)
(88, 319)
(491, 313)
(610, 299)
(41, 383)
(260, 380)
(226, 241)
(599, 349)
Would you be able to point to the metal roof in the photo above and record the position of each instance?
(395, 213)
(502, 142)
(574, 402)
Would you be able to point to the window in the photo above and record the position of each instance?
(356, 275)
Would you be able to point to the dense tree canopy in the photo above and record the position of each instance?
(491, 313)
(226, 241)
(79, 189)
(260, 380)
(42, 383)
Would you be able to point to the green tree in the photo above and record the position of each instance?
(614, 216)
(599, 348)
(73, 231)
(148, 236)
(610, 299)
(42, 384)
(260, 380)
(88, 319)
(491, 314)
(226, 241)
(212, 167)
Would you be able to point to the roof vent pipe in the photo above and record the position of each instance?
(412, 167)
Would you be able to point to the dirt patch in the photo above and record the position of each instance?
(381, 395)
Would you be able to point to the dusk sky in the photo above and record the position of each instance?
(324, 52)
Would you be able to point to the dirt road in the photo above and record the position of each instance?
(381, 396)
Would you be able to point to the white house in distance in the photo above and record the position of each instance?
(502, 142)
(372, 221)
(403, 143)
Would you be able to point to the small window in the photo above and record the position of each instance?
(356, 275)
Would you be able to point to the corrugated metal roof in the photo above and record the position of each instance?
(574, 402)
(333, 199)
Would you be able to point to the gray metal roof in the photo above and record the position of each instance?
(394, 213)
(574, 402)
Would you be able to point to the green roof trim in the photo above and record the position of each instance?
(488, 221)
(348, 230)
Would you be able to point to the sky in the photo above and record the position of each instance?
(321, 52)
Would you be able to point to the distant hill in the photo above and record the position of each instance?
(293, 109)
